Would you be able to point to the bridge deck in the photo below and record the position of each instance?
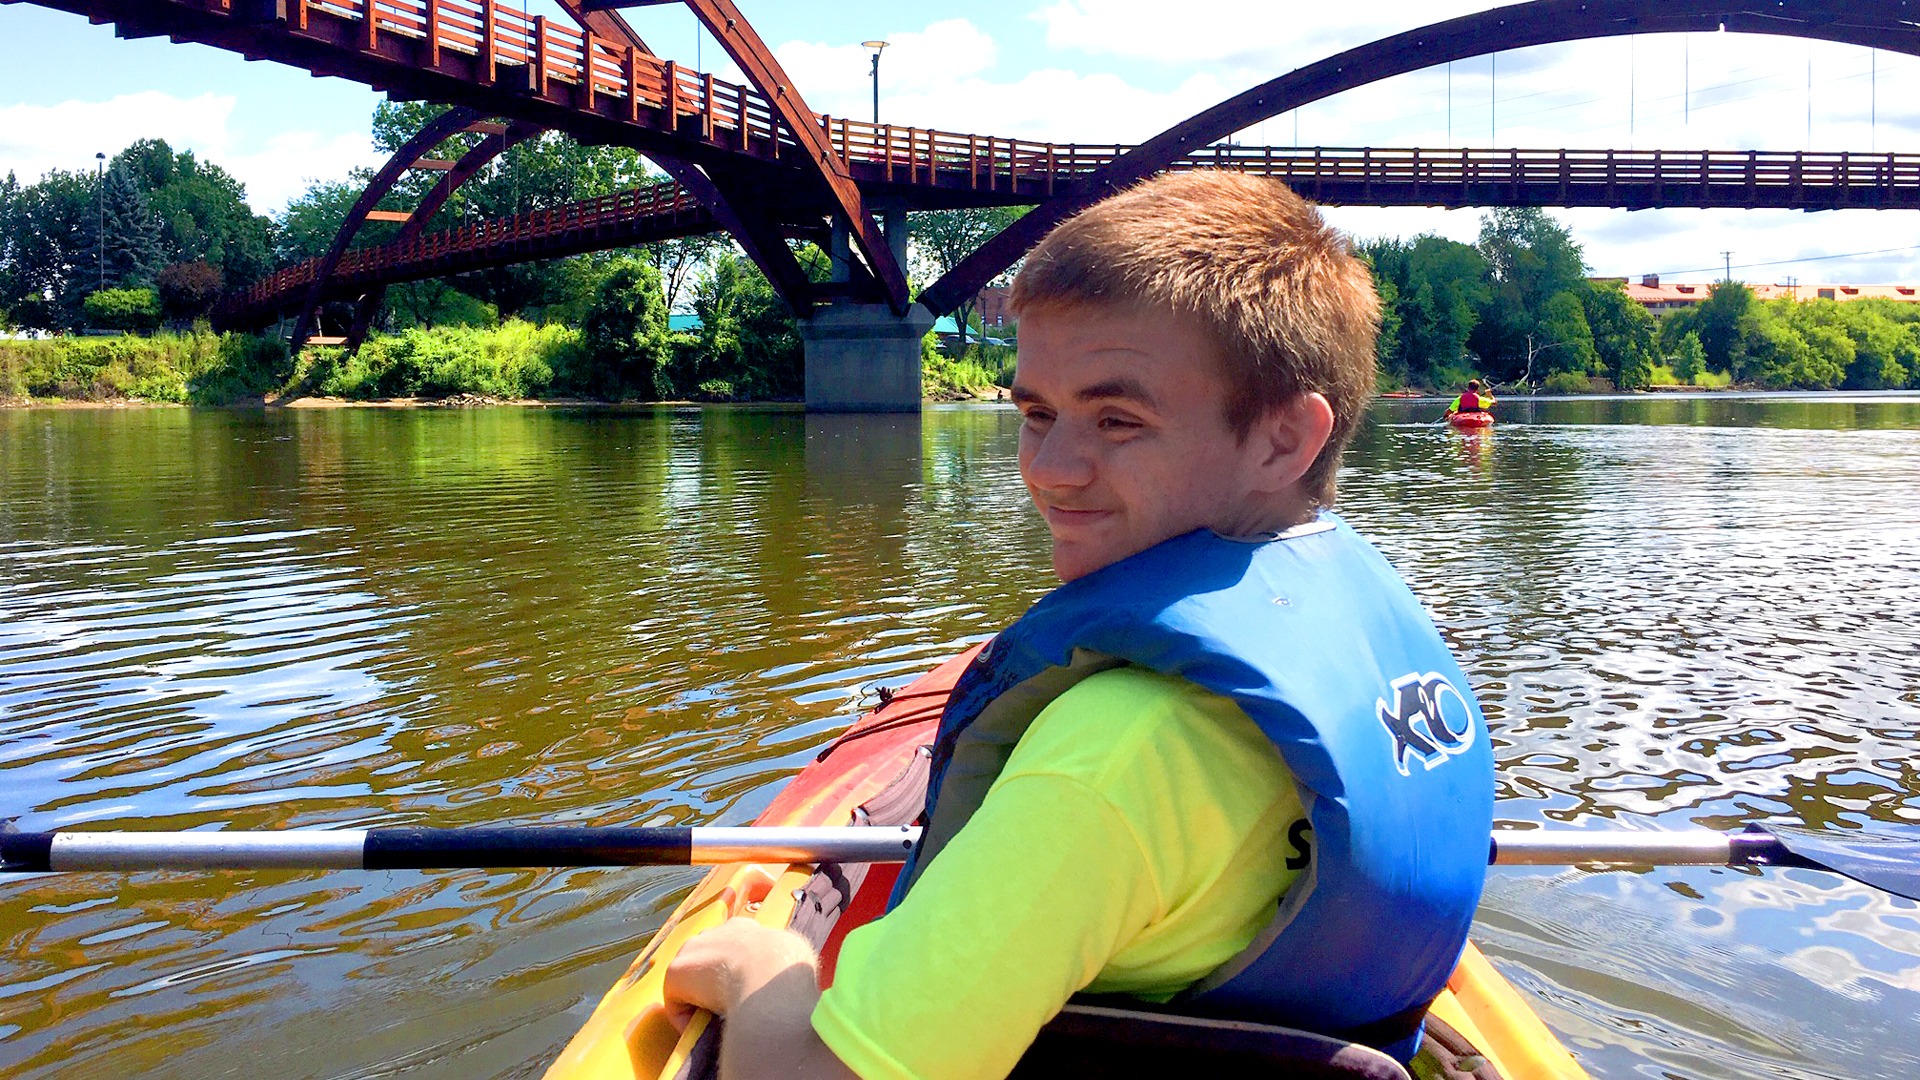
(503, 62)
(1337, 175)
(498, 58)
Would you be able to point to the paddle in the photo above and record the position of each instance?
(1891, 864)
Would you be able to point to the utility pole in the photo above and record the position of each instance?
(100, 197)
(1727, 257)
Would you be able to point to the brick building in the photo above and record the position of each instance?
(1661, 299)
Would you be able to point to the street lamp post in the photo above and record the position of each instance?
(876, 46)
(100, 198)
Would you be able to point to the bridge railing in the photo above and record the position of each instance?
(740, 118)
(918, 156)
(525, 229)
(1720, 170)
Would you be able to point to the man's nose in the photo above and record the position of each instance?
(1063, 459)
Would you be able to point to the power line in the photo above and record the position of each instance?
(1729, 268)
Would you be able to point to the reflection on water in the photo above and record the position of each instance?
(1676, 610)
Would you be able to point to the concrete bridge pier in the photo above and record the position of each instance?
(863, 357)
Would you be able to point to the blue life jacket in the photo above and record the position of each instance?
(1317, 638)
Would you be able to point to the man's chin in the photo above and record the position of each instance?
(1072, 561)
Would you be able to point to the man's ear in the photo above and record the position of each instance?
(1289, 438)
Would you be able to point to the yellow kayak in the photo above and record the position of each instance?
(876, 774)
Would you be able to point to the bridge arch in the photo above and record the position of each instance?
(1881, 24)
(469, 164)
(411, 153)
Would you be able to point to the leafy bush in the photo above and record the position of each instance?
(625, 348)
(123, 309)
(518, 360)
(1567, 382)
(198, 367)
(1689, 358)
(946, 379)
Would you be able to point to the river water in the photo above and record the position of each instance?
(1676, 610)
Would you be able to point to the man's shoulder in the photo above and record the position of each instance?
(1121, 716)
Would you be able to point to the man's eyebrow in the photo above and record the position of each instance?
(1125, 388)
(1023, 396)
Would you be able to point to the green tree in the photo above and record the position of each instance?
(1886, 349)
(749, 340)
(939, 239)
(1795, 345)
(1717, 322)
(625, 336)
(1623, 333)
(1532, 259)
(1432, 292)
(307, 227)
(47, 254)
(202, 210)
(1688, 358)
(1390, 360)
(134, 255)
(1561, 341)
(678, 260)
(1452, 284)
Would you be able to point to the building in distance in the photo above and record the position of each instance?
(1660, 299)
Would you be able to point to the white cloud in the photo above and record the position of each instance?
(282, 169)
(1700, 91)
(1056, 105)
(1238, 31)
(836, 79)
(37, 138)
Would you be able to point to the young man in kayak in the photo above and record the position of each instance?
(1471, 401)
(1228, 766)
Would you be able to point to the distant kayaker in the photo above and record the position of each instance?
(1473, 400)
(1228, 766)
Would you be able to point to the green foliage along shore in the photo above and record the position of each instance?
(1515, 307)
(148, 243)
(197, 367)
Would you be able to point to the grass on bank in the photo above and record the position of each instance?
(974, 373)
(1705, 380)
(515, 360)
(197, 367)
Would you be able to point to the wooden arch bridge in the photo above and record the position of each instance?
(755, 161)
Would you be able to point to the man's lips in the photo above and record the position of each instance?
(1071, 517)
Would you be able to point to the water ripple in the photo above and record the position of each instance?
(1676, 611)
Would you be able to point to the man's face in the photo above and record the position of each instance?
(1125, 441)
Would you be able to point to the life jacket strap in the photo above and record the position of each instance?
(1379, 1034)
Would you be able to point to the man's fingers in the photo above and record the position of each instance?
(680, 1014)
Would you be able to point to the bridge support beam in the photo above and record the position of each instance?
(864, 358)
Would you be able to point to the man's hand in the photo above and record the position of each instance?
(716, 970)
(765, 982)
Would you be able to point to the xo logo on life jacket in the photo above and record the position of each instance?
(1427, 718)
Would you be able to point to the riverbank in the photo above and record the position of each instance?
(516, 363)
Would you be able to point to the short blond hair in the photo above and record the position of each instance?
(1288, 306)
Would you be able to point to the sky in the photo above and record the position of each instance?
(1102, 71)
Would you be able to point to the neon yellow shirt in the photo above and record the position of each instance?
(1136, 840)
